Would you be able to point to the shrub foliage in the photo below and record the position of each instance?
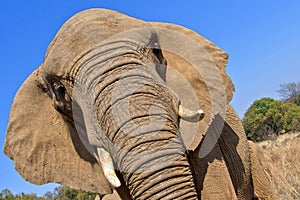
(59, 193)
(267, 117)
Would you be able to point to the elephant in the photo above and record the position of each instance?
(111, 110)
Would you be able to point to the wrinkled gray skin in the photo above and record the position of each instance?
(116, 97)
(102, 85)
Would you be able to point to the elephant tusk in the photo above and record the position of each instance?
(188, 115)
(108, 167)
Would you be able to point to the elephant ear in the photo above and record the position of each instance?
(44, 146)
(198, 78)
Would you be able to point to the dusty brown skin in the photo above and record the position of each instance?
(47, 145)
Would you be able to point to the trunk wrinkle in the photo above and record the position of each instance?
(103, 53)
(130, 131)
(143, 142)
(143, 137)
(147, 142)
(172, 191)
(107, 87)
(168, 176)
(159, 186)
(129, 163)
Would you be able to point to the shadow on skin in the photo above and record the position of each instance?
(76, 139)
(224, 150)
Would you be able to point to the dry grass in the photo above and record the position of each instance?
(283, 164)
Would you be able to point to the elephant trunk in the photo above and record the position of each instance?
(142, 124)
(138, 116)
(159, 173)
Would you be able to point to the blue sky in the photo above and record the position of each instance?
(261, 37)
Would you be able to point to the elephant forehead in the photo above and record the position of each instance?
(81, 34)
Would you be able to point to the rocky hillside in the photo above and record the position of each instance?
(282, 163)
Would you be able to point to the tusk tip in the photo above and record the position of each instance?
(201, 114)
(108, 167)
(188, 115)
(114, 181)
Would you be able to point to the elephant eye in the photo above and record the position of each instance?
(60, 91)
(156, 50)
(62, 100)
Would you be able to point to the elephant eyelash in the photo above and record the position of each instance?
(42, 83)
(44, 87)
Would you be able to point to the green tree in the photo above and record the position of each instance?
(66, 193)
(274, 117)
(7, 195)
(264, 118)
(267, 117)
(59, 193)
(254, 119)
(292, 117)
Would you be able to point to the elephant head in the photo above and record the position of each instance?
(103, 111)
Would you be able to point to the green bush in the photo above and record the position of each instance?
(59, 193)
(267, 117)
(254, 119)
(7, 195)
(292, 118)
(66, 193)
